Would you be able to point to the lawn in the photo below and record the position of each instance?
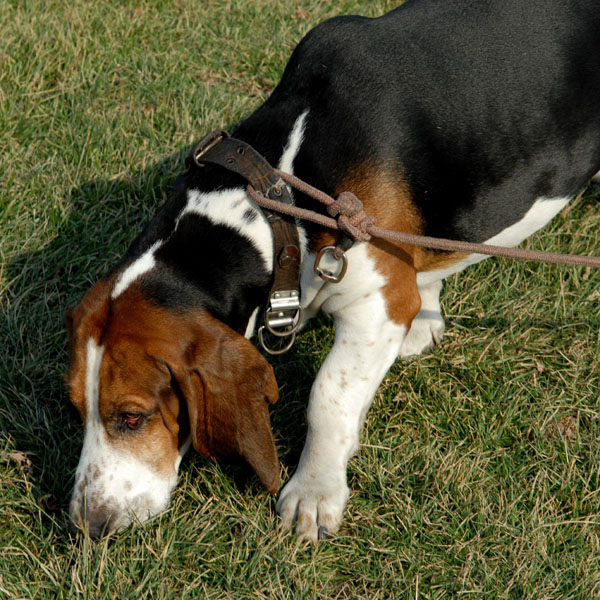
(479, 473)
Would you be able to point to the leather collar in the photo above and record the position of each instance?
(283, 314)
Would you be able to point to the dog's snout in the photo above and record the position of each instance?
(96, 523)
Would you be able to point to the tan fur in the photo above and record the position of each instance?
(389, 201)
(172, 366)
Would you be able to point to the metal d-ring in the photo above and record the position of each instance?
(327, 275)
(266, 348)
(283, 316)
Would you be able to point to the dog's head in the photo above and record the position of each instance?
(146, 381)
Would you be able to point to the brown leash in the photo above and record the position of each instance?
(353, 221)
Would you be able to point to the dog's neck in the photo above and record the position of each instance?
(210, 246)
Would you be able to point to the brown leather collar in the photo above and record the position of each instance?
(283, 313)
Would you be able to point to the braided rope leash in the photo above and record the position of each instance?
(348, 215)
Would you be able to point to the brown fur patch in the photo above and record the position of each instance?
(388, 199)
(321, 239)
(432, 260)
(185, 371)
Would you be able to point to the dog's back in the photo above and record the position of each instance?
(478, 106)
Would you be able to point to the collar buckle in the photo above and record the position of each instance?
(282, 318)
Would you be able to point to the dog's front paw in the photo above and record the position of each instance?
(426, 331)
(313, 505)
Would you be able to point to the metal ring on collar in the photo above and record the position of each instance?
(271, 350)
(289, 329)
(327, 275)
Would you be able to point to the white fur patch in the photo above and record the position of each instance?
(92, 381)
(427, 328)
(251, 327)
(540, 213)
(366, 343)
(286, 163)
(362, 277)
(111, 486)
(232, 208)
(182, 452)
(138, 267)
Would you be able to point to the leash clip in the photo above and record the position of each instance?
(282, 319)
(328, 276)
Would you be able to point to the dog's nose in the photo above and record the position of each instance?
(96, 524)
(99, 528)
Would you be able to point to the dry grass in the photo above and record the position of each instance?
(479, 473)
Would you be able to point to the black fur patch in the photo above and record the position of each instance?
(210, 266)
(481, 107)
(249, 216)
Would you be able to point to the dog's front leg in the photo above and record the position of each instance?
(428, 326)
(366, 344)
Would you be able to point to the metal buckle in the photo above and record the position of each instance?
(207, 143)
(284, 311)
(328, 275)
(283, 317)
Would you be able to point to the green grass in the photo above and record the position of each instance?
(479, 471)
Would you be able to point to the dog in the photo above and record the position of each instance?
(473, 120)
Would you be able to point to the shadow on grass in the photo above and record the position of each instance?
(36, 417)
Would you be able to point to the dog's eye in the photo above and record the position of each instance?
(132, 421)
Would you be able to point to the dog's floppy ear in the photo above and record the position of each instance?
(227, 386)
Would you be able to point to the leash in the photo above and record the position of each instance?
(354, 222)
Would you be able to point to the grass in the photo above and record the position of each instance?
(479, 472)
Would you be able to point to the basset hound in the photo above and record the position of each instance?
(463, 119)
